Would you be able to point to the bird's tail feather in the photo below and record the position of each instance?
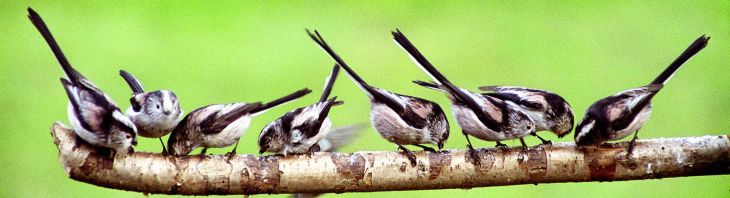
(693, 49)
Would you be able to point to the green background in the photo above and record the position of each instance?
(252, 51)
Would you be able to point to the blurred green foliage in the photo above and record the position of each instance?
(218, 52)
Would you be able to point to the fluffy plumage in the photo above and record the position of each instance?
(154, 113)
(298, 131)
(401, 119)
(219, 125)
(619, 115)
(482, 116)
(94, 115)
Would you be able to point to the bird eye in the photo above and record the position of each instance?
(158, 106)
(129, 136)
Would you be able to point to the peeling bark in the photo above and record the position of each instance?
(389, 171)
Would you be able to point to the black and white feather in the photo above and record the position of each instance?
(401, 119)
(154, 113)
(549, 111)
(94, 116)
(619, 115)
(299, 131)
(482, 116)
(219, 125)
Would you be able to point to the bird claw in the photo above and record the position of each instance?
(411, 157)
(230, 155)
(408, 154)
(501, 146)
(429, 149)
(312, 150)
(630, 149)
(473, 155)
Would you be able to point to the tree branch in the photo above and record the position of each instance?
(389, 171)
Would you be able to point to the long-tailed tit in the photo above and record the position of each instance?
(154, 113)
(94, 116)
(482, 116)
(219, 125)
(549, 111)
(617, 116)
(298, 131)
(400, 119)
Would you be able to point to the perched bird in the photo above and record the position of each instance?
(94, 115)
(482, 116)
(548, 110)
(401, 119)
(298, 131)
(617, 116)
(219, 125)
(154, 113)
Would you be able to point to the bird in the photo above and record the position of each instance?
(400, 119)
(94, 116)
(300, 130)
(548, 110)
(219, 125)
(616, 117)
(483, 116)
(154, 113)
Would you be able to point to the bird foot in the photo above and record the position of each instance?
(501, 146)
(230, 155)
(426, 148)
(473, 155)
(409, 154)
(630, 149)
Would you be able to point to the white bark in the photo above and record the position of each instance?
(389, 171)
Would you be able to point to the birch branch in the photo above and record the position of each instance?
(389, 171)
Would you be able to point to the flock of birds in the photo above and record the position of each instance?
(498, 113)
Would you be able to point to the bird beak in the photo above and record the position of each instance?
(263, 150)
(441, 145)
(134, 142)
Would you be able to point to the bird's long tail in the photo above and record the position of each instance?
(329, 83)
(441, 82)
(293, 96)
(693, 49)
(73, 75)
(426, 66)
(133, 83)
(350, 73)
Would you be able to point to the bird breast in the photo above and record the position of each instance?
(470, 124)
(229, 135)
(394, 129)
(635, 125)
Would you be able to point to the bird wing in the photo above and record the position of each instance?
(92, 108)
(625, 106)
(217, 121)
